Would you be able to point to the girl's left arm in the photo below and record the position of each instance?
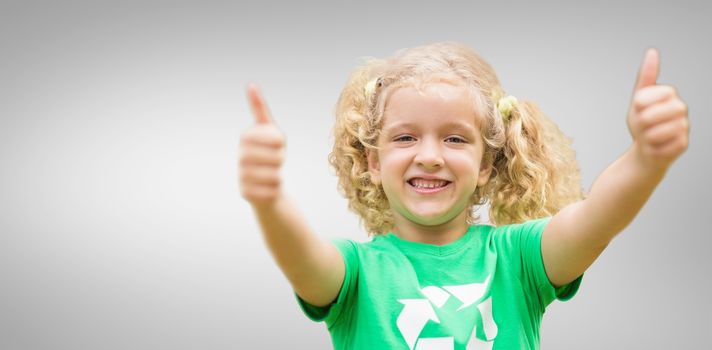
(577, 234)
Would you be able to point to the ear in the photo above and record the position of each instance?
(374, 166)
(485, 172)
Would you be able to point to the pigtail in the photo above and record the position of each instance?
(535, 173)
(355, 134)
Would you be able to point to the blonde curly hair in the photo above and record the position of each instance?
(534, 168)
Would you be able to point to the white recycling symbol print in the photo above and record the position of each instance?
(416, 313)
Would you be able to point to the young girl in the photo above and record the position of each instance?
(422, 139)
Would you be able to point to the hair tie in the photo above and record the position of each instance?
(371, 86)
(506, 105)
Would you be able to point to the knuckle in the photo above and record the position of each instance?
(677, 148)
(638, 101)
(275, 133)
(668, 90)
(278, 140)
(272, 181)
(251, 133)
(685, 125)
(273, 177)
(675, 105)
(280, 157)
(269, 135)
(644, 119)
(244, 159)
(244, 179)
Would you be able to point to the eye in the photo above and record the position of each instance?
(457, 139)
(404, 138)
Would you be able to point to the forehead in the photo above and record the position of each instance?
(430, 105)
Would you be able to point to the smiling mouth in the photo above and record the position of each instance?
(429, 187)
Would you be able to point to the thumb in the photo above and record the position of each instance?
(649, 70)
(258, 105)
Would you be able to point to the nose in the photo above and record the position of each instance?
(429, 155)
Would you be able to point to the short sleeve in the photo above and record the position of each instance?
(533, 269)
(331, 313)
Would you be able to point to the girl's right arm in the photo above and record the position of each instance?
(313, 266)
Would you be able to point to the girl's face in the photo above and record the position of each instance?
(430, 153)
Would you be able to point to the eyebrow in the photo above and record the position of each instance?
(451, 124)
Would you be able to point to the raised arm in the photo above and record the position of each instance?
(312, 265)
(658, 123)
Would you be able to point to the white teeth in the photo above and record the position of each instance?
(422, 183)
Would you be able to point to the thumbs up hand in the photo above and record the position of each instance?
(262, 149)
(657, 118)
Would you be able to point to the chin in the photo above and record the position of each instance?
(431, 219)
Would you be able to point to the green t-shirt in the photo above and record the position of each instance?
(487, 290)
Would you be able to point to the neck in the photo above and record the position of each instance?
(440, 234)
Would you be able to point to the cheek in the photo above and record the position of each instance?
(465, 163)
(395, 162)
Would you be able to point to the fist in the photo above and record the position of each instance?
(261, 155)
(658, 117)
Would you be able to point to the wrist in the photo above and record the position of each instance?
(648, 164)
(268, 205)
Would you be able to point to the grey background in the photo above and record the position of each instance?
(121, 225)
